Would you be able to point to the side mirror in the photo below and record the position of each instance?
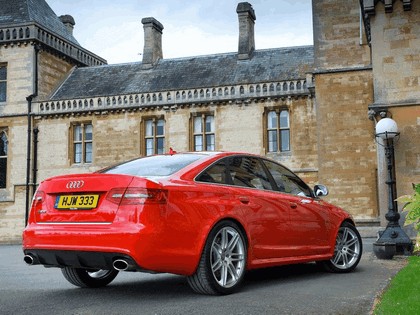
(320, 190)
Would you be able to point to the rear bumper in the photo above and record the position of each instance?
(78, 259)
(98, 246)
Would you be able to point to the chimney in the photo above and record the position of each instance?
(68, 22)
(246, 16)
(152, 50)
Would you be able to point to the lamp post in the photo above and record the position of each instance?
(393, 239)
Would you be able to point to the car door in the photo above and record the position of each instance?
(267, 216)
(308, 218)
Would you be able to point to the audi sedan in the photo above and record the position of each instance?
(209, 216)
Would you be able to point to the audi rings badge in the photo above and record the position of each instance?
(74, 184)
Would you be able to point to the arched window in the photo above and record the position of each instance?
(3, 158)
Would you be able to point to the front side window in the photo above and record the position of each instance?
(154, 139)
(278, 131)
(242, 171)
(287, 181)
(248, 172)
(3, 83)
(82, 143)
(3, 158)
(203, 133)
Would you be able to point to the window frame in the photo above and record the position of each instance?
(278, 130)
(206, 145)
(3, 131)
(3, 81)
(83, 142)
(154, 137)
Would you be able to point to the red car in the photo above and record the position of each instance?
(207, 215)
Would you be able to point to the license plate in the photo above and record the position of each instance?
(76, 202)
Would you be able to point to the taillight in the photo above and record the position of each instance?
(136, 196)
(37, 200)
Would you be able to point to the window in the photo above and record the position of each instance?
(154, 166)
(278, 131)
(82, 143)
(203, 133)
(154, 131)
(238, 171)
(248, 172)
(3, 158)
(286, 180)
(3, 83)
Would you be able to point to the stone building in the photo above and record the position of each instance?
(64, 110)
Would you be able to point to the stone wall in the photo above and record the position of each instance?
(339, 38)
(20, 63)
(396, 72)
(344, 90)
(52, 70)
(346, 145)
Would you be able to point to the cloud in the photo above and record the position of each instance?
(197, 27)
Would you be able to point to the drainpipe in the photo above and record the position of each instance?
(28, 149)
(35, 158)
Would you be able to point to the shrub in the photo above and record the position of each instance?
(412, 207)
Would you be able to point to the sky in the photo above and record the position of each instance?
(113, 30)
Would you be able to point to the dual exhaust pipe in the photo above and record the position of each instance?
(29, 259)
(123, 265)
(118, 264)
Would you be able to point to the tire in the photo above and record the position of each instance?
(347, 252)
(222, 265)
(88, 278)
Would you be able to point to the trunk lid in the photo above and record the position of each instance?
(81, 198)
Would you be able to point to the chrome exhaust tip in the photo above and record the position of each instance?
(120, 265)
(28, 259)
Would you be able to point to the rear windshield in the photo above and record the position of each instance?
(154, 166)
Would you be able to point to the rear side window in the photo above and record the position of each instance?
(154, 166)
(215, 173)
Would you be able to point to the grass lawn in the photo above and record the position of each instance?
(403, 294)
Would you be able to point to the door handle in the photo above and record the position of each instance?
(244, 200)
(293, 205)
